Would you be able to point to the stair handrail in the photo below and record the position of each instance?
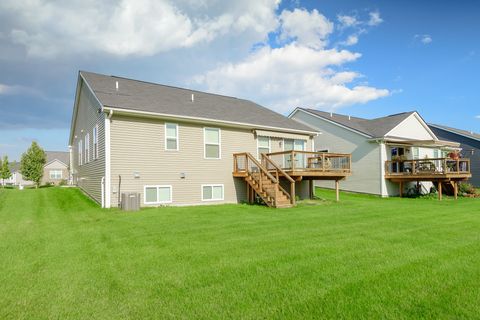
(290, 179)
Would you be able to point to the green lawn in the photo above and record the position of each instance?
(63, 257)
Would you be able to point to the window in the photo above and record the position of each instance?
(294, 144)
(95, 142)
(263, 145)
(212, 192)
(87, 148)
(416, 153)
(55, 174)
(157, 194)
(80, 153)
(211, 138)
(171, 136)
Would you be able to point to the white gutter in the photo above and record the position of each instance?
(206, 120)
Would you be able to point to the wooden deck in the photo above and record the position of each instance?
(295, 166)
(441, 171)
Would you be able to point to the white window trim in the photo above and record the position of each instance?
(219, 143)
(87, 147)
(213, 185)
(176, 138)
(56, 171)
(157, 187)
(95, 142)
(80, 152)
(269, 145)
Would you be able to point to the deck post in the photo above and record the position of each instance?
(455, 189)
(337, 190)
(439, 190)
(292, 193)
(310, 186)
(401, 188)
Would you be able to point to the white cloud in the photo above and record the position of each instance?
(423, 38)
(307, 28)
(295, 75)
(347, 21)
(478, 117)
(351, 40)
(375, 18)
(132, 27)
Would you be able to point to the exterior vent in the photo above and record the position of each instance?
(116, 85)
(193, 97)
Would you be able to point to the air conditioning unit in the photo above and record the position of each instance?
(130, 201)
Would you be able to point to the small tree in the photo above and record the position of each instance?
(32, 164)
(4, 170)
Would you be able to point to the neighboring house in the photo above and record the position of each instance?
(176, 146)
(469, 142)
(389, 154)
(56, 168)
(16, 179)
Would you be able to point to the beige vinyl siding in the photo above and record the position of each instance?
(366, 176)
(137, 147)
(88, 176)
(54, 165)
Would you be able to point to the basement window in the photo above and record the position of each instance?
(212, 192)
(157, 194)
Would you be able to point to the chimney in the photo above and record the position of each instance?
(116, 85)
(193, 97)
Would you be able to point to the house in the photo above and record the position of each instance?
(56, 169)
(469, 142)
(16, 178)
(178, 146)
(390, 155)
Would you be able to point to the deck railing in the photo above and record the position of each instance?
(295, 160)
(434, 166)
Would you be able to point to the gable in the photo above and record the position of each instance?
(412, 128)
(56, 164)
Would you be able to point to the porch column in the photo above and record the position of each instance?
(455, 189)
(439, 190)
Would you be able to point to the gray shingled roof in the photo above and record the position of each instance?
(375, 128)
(58, 155)
(150, 97)
(468, 134)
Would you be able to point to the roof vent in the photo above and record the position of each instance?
(116, 85)
(349, 118)
(193, 97)
(331, 114)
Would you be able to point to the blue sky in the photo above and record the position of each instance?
(362, 58)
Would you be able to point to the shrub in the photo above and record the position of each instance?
(466, 188)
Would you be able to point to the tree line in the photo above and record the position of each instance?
(31, 165)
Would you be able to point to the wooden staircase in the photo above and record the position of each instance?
(264, 180)
(268, 190)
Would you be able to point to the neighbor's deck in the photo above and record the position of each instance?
(442, 171)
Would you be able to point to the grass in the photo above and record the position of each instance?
(63, 257)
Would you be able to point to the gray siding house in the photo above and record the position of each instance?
(56, 168)
(174, 146)
(469, 142)
(389, 154)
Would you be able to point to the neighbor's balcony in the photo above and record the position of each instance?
(428, 168)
